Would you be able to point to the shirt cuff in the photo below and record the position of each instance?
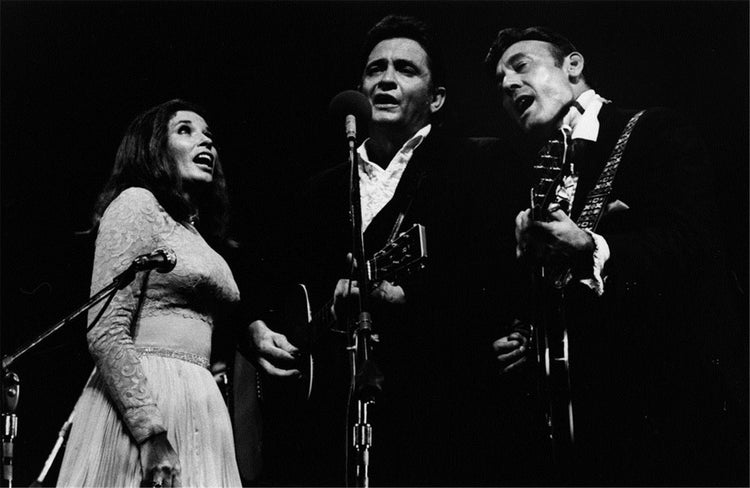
(601, 255)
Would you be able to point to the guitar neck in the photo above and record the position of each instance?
(550, 167)
(323, 319)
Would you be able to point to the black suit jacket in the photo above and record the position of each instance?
(431, 348)
(652, 357)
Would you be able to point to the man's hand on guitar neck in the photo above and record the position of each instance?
(272, 350)
(383, 293)
(559, 240)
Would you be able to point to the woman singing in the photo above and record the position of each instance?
(152, 414)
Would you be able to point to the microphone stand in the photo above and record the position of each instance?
(55, 449)
(11, 388)
(11, 382)
(367, 377)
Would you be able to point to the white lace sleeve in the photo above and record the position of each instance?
(129, 227)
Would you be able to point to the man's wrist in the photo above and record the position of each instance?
(599, 256)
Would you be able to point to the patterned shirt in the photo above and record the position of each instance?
(378, 185)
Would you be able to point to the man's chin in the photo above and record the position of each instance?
(385, 116)
(527, 128)
(528, 123)
(536, 129)
(387, 120)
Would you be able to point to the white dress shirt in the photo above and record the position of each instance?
(586, 126)
(378, 185)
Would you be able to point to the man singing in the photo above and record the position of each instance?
(410, 171)
(649, 337)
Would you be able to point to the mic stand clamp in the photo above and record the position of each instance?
(368, 379)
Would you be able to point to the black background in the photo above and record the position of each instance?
(73, 74)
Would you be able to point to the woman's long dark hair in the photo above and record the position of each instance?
(144, 160)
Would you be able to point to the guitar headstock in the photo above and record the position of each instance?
(400, 258)
(549, 168)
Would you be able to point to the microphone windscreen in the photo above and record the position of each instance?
(351, 102)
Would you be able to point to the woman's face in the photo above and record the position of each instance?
(192, 147)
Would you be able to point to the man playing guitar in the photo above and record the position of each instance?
(640, 240)
(411, 171)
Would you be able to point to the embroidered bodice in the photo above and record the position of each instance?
(177, 313)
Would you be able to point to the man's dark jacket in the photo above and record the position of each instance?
(658, 360)
(429, 349)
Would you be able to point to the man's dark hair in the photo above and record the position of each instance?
(559, 45)
(393, 26)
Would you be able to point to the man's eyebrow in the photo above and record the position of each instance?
(499, 75)
(404, 61)
(515, 58)
(375, 61)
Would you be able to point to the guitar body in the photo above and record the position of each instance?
(294, 320)
(270, 414)
(268, 411)
(247, 418)
(395, 262)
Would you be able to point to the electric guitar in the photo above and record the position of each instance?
(550, 334)
(396, 261)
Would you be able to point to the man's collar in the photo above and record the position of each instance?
(409, 145)
(585, 125)
(585, 98)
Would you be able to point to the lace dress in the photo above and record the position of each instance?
(151, 370)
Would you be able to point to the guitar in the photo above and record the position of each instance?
(550, 335)
(396, 261)
(280, 398)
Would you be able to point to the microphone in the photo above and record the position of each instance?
(162, 260)
(353, 106)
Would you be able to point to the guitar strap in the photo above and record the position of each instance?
(597, 197)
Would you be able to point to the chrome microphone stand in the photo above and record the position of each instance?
(11, 388)
(368, 381)
(367, 377)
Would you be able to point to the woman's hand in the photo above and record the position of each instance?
(160, 464)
